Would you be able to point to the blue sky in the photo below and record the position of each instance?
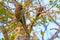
(48, 34)
(1, 35)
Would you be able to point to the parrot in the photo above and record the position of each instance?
(39, 11)
(20, 16)
(18, 12)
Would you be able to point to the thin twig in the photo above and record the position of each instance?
(39, 2)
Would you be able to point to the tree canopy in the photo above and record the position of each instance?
(19, 17)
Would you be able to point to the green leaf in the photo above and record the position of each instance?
(58, 6)
(49, 18)
(2, 3)
(54, 16)
(2, 39)
(44, 19)
(58, 12)
(14, 25)
(12, 36)
(8, 30)
(2, 12)
(50, 2)
(26, 4)
(30, 30)
(34, 20)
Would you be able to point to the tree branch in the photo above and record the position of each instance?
(5, 33)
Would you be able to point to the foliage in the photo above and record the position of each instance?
(7, 16)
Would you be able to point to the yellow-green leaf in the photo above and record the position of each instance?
(42, 33)
(2, 2)
(49, 18)
(44, 19)
(26, 4)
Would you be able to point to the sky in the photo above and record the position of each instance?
(37, 29)
(48, 33)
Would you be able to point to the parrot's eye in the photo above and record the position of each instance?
(21, 7)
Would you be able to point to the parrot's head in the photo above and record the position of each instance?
(19, 6)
